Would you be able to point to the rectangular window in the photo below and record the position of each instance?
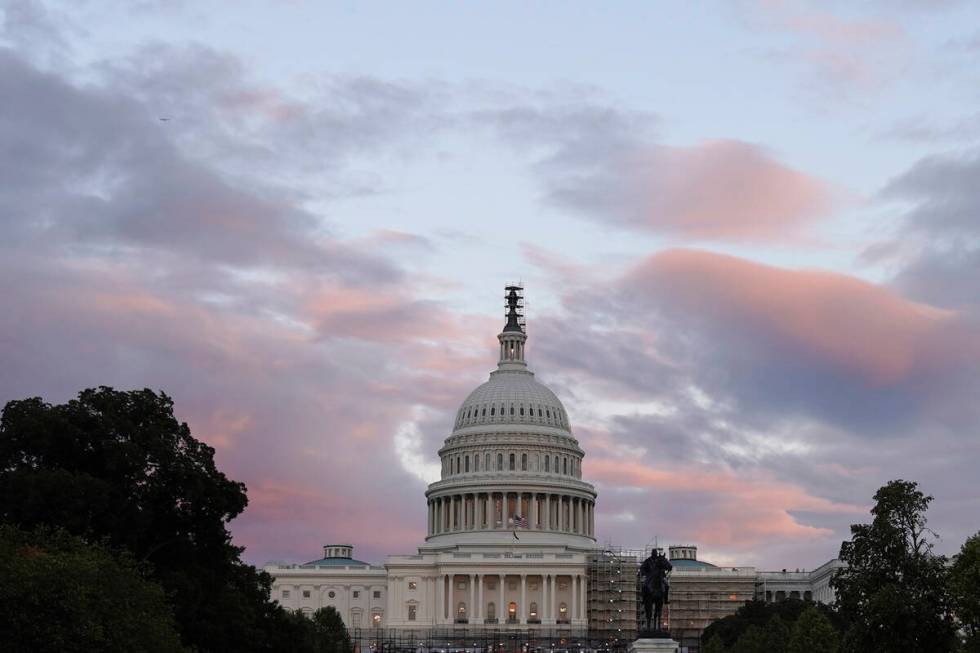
(411, 613)
(306, 594)
(285, 594)
(377, 594)
(357, 594)
(412, 585)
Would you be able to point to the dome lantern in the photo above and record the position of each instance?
(514, 335)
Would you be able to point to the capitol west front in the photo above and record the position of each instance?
(510, 526)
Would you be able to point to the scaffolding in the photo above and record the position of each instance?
(613, 607)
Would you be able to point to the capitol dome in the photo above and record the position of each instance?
(511, 467)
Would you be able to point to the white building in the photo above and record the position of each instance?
(510, 525)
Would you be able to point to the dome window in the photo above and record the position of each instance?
(522, 411)
(547, 463)
(564, 466)
(476, 463)
(500, 461)
(493, 409)
(512, 409)
(523, 462)
(548, 413)
(512, 462)
(539, 411)
(486, 463)
(467, 464)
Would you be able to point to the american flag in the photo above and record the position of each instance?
(520, 521)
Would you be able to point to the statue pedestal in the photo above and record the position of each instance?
(654, 645)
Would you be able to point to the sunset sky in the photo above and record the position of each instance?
(749, 233)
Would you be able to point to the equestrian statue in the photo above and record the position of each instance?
(655, 590)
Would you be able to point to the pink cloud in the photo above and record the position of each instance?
(847, 322)
(738, 511)
(725, 189)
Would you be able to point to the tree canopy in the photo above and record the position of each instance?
(118, 467)
(893, 590)
(964, 586)
(60, 594)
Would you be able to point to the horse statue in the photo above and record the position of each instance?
(654, 589)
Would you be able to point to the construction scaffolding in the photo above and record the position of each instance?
(613, 605)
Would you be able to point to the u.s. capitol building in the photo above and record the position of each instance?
(511, 523)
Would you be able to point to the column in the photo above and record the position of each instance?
(576, 523)
(543, 609)
(501, 608)
(534, 510)
(572, 612)
(440, 590)
(582, 598)
(554, 604)
(522, 608)
(479, 597)
(547, 512)
(487, 515)
(471, 608)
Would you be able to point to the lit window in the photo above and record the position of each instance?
(411, 613)
(512, 610)
(376, 619)
(563, 609)
(534, 610)
(412, 585)
(461, 610)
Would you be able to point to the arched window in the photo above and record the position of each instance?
(522, 411)
(512, 612)
(512, 462)
(491, 610)
(461, 610)
(457, 464)
(564, 466)
(534, 611)
(493, 409)
(467, 464)
(563, 613)
(500, 461)
(476, 463)
(512, 409)
(547, 413)
(486, 463)
(523, 462)
(484, 411)
(547, 463)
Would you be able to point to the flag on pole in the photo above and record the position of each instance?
(520, 521)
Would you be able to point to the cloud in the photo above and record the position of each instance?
(844, 55)
(717, 190)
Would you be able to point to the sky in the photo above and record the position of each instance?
(748, 230)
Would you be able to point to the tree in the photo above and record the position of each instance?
(58, 593)
(813, 633)
(893, 589)
(753, 640)
(964, 587)
(714, 645)
(758, 613)
(329, 633)
(777, 635)
(118, 467)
